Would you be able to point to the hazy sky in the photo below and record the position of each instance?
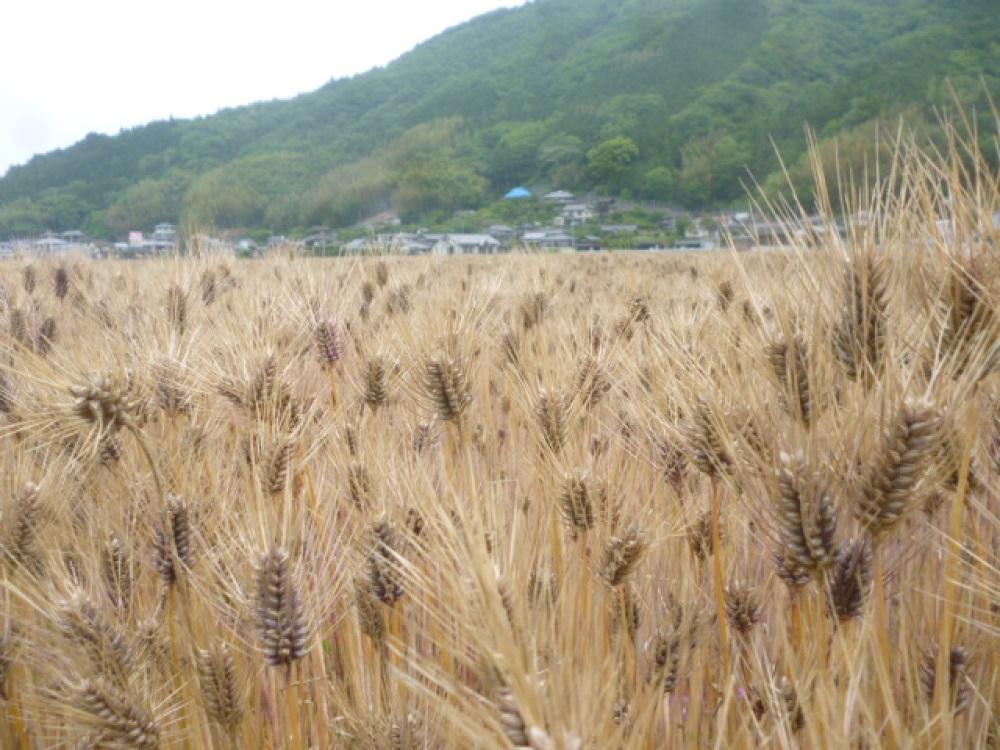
(69, 67)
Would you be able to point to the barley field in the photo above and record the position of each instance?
(560, 502)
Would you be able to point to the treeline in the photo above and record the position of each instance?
(670, 100)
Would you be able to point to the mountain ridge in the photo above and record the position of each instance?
(673, 100)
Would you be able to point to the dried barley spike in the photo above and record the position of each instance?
(28, 278)
(446, 385)
(20, 546)
(852, 576)
(742, 608)
(789, 571)
(552, 418)
(381, 273)
(971, 325)
(280, 619)
(46, 336)
(510, 345)
(575, 503)
(958, 681)
(277, 466)
(18, 326)
(179, 518)
(208, 285)
(901, 463)
(119, 722)
(861, 336)
(793, 710)
(383, 572)
(533, 308)
(374, 383)
(264, 385)
(591, 382)
(328, 342)
(164, 560)
(367, 293)
(724, 294)
(808, 518)
(424, 436)
(6, 395)
(399, 300)
(415, 522)
(790, 509)
(699, 536)
(627, 612)
(359, 487)
(707, 446)
(109, 651)
(220, 687)
(370, 616)
(789, 360)
(511, 719)
(117, 573)
(60, 282)
(104, 402)
(667, 656)
(621, 556)
(638, 309)
(8, 648)
(177, 307)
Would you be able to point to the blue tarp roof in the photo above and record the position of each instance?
(518, 192)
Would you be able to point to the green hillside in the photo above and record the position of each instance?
(670, 100)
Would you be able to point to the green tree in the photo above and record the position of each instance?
(659, 183)
(608, 160)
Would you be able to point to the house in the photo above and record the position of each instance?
(358, 246)
(560, 197)
(201, 245)
(671, 219)
(549, 239)
(590, 244)
(773, 233)
(697, 231)
(619, 228)
(502, 232)
(576, 214)
(695, 243)
(165, 232)
(466, 244)
(406, 243)
(48, 245)
(320, 239)
(414, 246)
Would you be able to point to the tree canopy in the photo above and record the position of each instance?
(672, 100)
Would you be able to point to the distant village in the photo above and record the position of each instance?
(576, 225)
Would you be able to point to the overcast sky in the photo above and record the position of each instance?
(69, 67)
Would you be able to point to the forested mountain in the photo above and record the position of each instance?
(671, 100)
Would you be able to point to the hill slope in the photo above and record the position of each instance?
(666, 99)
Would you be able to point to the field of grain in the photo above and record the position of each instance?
(531, 501)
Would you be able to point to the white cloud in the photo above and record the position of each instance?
(68, 67)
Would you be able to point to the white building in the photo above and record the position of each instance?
(575, 214)
(466, 244)
(561, 197)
